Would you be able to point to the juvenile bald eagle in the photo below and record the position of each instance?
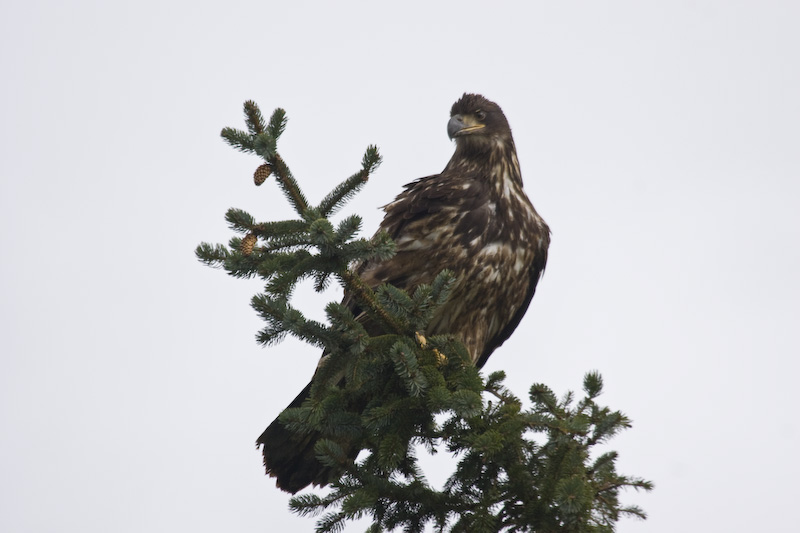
(473, 219)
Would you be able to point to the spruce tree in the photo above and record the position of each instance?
(390, 395)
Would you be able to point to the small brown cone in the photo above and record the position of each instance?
(248, 243)
(262, 173)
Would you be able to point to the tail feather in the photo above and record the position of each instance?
(290, 458)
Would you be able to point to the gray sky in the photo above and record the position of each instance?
(659, 141)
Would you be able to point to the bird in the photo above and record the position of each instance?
(473, 219)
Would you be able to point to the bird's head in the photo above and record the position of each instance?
(477, 124)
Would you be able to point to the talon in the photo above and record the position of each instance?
(421, 339)
(441, 359)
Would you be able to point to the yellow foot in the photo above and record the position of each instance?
(421, 339)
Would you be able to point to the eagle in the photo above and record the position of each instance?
(473, 219)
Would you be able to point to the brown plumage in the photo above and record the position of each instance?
(473, 219)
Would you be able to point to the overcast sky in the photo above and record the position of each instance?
(659, 140)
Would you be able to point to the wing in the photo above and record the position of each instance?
(432, 223)
(534, 275)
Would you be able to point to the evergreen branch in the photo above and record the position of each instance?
(371, 160)
(322, 235)
(342, 193)
(287, 182)
(306, 504)
(633, 511)
(279, 229)
(349, 187)
(407, 367)
(213, 255)
(284, 280)
(352, 334)
(331, 523)
(282, 318)
(607, 426)
(239, 265)
(466, 403)
(286, 243)
(298, 266)
(321, 281)
(493, 384)
(379, 248)
(266, 146)
(348, 228)
(238, 139)
(593, 385)
(419, 308)
(239, 220)
(277, 263)
(395, 301)
(277, 123)
(366, 299)
(441, 287)
(543, 398)
(253, 118)
(330, 453)
(260, 138)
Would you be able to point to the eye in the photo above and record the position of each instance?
(480, 114)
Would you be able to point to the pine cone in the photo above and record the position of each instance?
(262, 173)
(248, 243)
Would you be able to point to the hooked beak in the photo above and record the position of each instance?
(461, 125)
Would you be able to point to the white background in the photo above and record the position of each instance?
(658, 139)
